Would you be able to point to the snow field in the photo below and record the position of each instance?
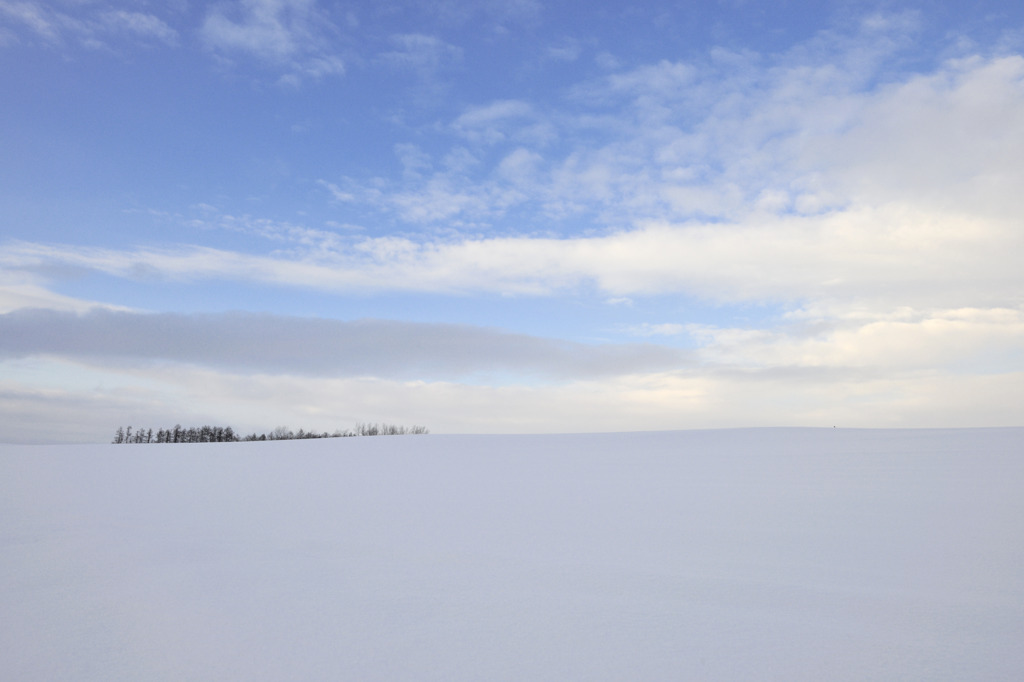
(767, 554)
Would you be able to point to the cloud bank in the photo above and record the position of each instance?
(276, 344)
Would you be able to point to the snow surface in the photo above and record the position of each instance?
(767, 554)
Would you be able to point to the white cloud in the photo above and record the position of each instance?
(35, 17)
(428, 59)
(494, 122)
(422, 53)
(951, 139)
(808, 187)
(89, 25)
(970, 340)
(521, 168)
(495, 111)
(886, 304)
(891, 255)
(494, 16)
(337, 193)
(651, 83)
(807, 131)
(607, 61)
(294, 36)
(662, 329)
(567, 51)
(19, 290)
(297, 238)
(143, 25)
(272, 29)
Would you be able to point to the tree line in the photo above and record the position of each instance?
(225, 434)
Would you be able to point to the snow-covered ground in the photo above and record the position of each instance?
(760, 554)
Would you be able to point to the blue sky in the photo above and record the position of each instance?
(509, 216)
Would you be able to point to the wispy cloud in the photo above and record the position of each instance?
(87, 25)
(421, 53)
(893, 253)
(291, 238)
(806, 132)
(21, 289)
(139, 24)
(492, 16)
(295, 37)
(35, 17)
(428, 59)
(568, 50)
(494, 122)
(657, 329)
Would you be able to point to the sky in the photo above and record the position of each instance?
(509, 217)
